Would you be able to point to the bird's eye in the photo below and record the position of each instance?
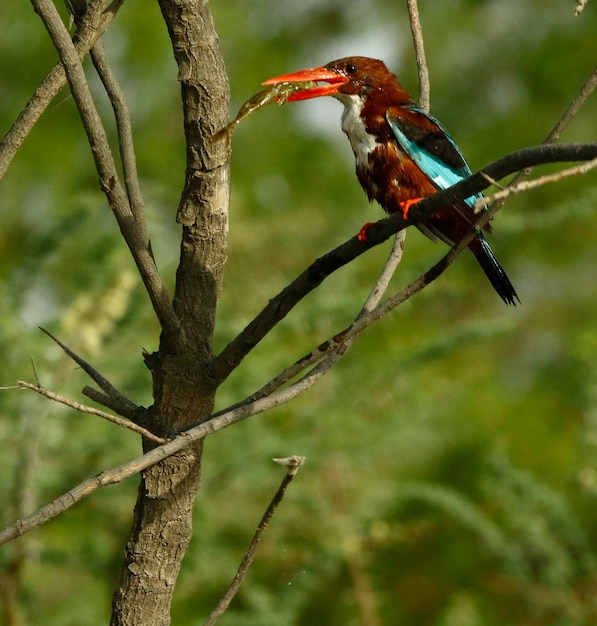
(351, 69)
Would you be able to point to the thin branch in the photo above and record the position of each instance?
(22, 384)
(574, 107)
(93, 24)
(580, 5)
(120, 403)
(381, 284)
(34, 368)
(134, 234)
(125, 132)
(117, 100)
(341, 342)
(417, 33)
(293, 465)
(331, 350)
(114, 404)
(287, 374)
(114, 476)
(553, 136)
(526, 185)
(279, 306)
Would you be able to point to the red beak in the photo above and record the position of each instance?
(314, 74)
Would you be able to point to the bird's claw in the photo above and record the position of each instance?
(406, 204)
(362, 236)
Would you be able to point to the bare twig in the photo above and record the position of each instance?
(34, 368)
(125, 407)
(292, 465)
(331, 350)
(574, 107)
(125, 132)
(390, 267)
(114, 404)
(73, 404)
(526, 185)
(580, 5)
(553, 136)
(117, 474)
(340, 343)
(333, 343)
(93, 24)
(417, 33)
(133, 232)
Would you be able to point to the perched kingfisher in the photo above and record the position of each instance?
(402, 154)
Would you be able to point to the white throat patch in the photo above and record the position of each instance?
(361, 141)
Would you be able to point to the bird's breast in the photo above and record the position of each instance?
(363, 142)
(386, 173)
(391, 177)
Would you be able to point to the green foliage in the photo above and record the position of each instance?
(451, 467)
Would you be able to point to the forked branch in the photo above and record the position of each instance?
(132, 226)
(94, 22)
(112, 397)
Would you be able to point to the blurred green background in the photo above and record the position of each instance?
(451, 473)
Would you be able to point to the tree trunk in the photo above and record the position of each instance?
(162, 524)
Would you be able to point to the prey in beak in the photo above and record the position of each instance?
(315, 74)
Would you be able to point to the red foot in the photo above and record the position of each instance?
(362, 236)
(406, 204)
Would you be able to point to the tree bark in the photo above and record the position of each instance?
(183, 393)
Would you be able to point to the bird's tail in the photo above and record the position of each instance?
(494, 271)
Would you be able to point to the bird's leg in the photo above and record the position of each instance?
(406, 204)
(404, 207)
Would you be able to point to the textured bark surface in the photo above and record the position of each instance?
(162, 524)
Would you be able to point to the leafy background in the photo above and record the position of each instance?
(451, 471)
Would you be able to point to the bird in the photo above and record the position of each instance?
(402, 153)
